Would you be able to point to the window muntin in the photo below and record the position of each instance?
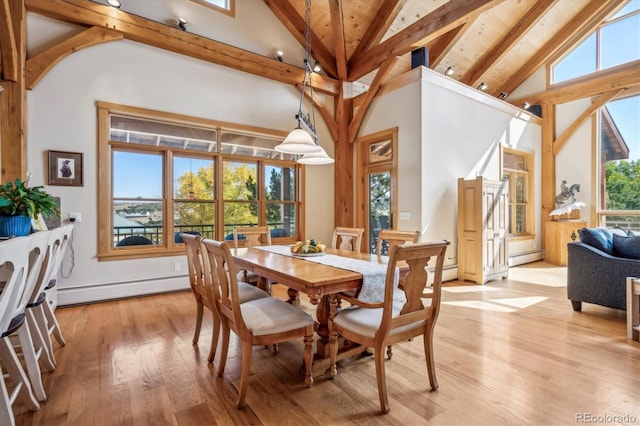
(515, 170)
(615, 42)
(175, 181)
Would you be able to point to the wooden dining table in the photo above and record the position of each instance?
(317, 281)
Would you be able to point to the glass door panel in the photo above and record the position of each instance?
(379, 196)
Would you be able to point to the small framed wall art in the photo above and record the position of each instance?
(65, 168)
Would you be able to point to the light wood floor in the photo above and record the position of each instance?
(508, 352)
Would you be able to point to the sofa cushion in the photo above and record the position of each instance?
(600, 238)
(633, 233)
(628, 247)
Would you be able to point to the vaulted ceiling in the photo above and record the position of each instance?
(500, 43)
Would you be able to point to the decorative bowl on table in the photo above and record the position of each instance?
(308, 248)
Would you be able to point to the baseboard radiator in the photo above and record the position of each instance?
(120, 290)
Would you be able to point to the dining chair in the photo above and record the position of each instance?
(388, 238)
(391, 321)
(61, 243)
(263, 321)
(40, 265)
(204, 294)
(251, 236)
(347, 238)
(14, 264)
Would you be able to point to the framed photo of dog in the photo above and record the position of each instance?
(65, 168)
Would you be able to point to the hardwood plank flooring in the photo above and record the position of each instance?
(509, 352)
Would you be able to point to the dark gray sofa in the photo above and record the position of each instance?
(595, 276)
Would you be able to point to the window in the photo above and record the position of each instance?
(515, 170)
(225, 6)
(619, 163)
(615, 42)
(162, 174)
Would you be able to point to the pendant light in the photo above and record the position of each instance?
(303, 140)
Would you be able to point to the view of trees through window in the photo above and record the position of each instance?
(614, 43)
(171, 176)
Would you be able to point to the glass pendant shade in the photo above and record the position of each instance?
(299, 141)
(316, 158)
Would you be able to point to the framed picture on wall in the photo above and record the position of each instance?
(65, 168)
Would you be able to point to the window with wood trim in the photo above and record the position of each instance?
(618, 184)
(227, 7)
(516, 166)
(161, 174)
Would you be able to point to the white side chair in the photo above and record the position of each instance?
(61, 244)
(14, 263)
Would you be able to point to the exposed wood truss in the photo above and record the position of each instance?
(38, 66)
(8, 48)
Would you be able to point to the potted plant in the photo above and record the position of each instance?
(19, 204)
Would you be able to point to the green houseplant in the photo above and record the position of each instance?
(19, 204)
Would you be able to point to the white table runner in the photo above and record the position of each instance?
(373, 274)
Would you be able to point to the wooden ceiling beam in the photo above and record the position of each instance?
(382, 20)
(358, 117)
(442, 20)
(40, 64)
(331, 123)
(576, 29)
(172, 39)
(596, 103)
(474, 75)
(287, 14)
(621, 77)
(8, 48)
(337, 25)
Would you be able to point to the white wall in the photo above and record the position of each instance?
(62, 116)
(448, 130)
(574, 162)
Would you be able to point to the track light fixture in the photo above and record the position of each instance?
(526, 105)
(449, 72)
(114, 3)
(182, 24)
(482, 86)
(280, 55)
(316, 67)
(503, 95)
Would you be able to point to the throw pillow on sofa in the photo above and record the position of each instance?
(628, 247)
(600, 238)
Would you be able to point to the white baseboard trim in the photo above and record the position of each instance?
(521, 259)
(120, 290)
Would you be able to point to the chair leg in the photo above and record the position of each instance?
(224, 350)
(389, 351)
(199, 313)
(6, 412)
(428, 354)
(41, 343)
(17, 374)
(31, 361)
(247, 355)
(308, 356)
(576, 305)
(382, 379)
(215, 333)
(53, 321)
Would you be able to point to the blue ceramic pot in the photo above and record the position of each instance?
(15, 226)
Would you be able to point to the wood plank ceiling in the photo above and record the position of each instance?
(364, 42)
